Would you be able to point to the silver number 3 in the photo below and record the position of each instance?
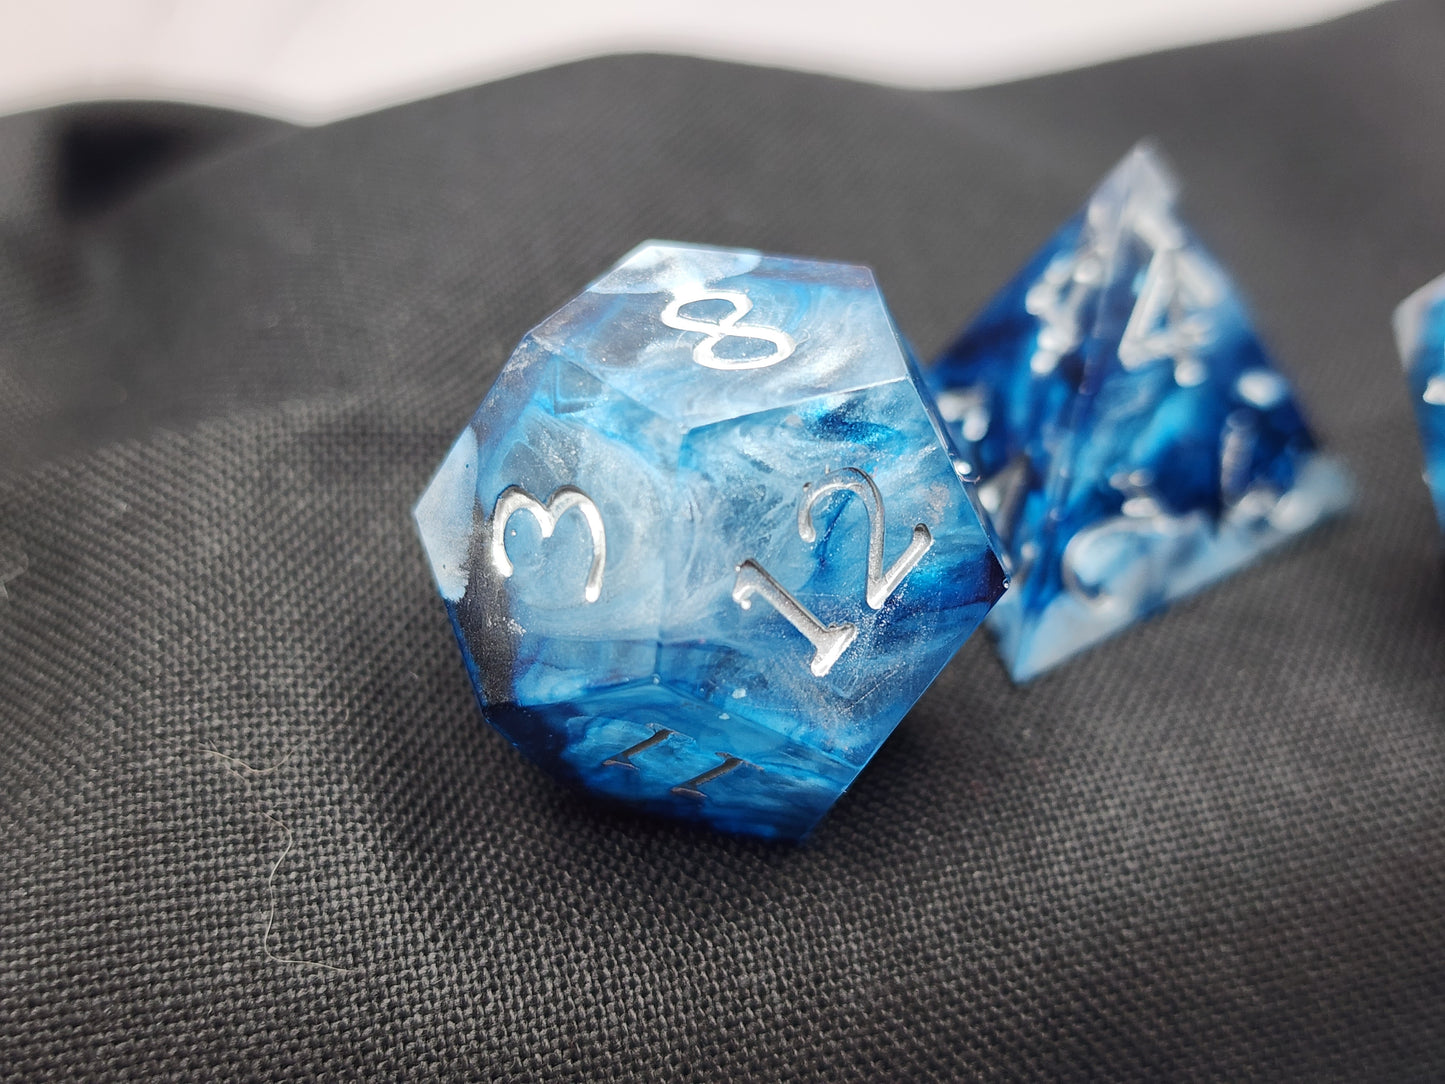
(515, 499)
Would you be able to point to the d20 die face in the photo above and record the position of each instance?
(1134, 439)
(704, 543)
(1420, 334)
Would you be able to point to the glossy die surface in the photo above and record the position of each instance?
(704, 543)
(1134, 439)
(1420, 333)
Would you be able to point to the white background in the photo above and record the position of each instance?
(318, 60)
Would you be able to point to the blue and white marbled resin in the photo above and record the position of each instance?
(1134, 440)
(699, 431)
(1420, 333)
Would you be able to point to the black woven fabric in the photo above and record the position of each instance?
(253, 825)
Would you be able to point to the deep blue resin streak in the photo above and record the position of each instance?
(1134, 440)
(1420, 333)
(699, 431)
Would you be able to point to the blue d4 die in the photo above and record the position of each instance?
(705, 541)
(1420, 333)
(1134, 440)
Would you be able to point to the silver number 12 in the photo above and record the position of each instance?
(830, 641)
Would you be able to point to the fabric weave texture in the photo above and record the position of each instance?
(252, 823)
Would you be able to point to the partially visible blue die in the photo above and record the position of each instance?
(705, 541)
(1420, 333)
(1134, 440)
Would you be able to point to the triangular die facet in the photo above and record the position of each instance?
(1134, 439)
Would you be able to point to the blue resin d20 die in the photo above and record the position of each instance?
(705, 541)
(1134, 440)
(1420, 333)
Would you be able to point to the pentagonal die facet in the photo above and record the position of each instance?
(704, 543)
